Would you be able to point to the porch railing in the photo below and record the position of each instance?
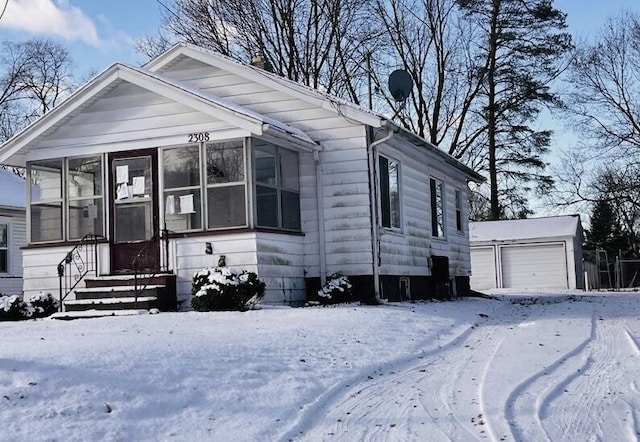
(160, 236)
(77, 263)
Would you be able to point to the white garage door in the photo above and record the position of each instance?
(536, 266)
(483, 268)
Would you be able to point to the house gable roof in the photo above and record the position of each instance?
(304, 93)
(525, 229)
(11, 152)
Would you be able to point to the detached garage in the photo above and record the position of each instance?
(536, 253)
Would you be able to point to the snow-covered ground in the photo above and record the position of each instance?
(526, 368)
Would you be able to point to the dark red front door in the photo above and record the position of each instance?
(133, 221)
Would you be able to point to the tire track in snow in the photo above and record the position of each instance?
(368, 398)
(522, 393)
(581, 392)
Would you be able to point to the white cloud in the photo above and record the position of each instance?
(46, 17)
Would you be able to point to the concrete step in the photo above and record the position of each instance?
(117, 303)
(115, 292)
(128, 280)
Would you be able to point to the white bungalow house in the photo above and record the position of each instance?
(245, 169)
(534, 253)
(13, 199)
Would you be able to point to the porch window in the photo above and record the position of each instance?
(84, 190)
(46, 208)
(437, 208)
(389, 193)
(4, 248)
(182, 196)
(226, 202)
(59, 211)
(277, 187)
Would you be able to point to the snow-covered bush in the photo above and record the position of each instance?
(15, 308)
(221, 288)
(336, 290)
(44, 304)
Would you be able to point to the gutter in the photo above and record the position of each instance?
(372, 157)
(320, 202)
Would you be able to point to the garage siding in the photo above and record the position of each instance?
(536, 266)
(483, 265)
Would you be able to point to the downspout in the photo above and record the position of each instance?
(372, 155)
(320, 199)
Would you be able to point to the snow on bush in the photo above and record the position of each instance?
(336, 290)
(222, 288)
(15, 308)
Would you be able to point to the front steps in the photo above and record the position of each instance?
(118, 293)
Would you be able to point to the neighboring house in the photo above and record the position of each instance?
(13, 191)
(247, 169)
(536, 253)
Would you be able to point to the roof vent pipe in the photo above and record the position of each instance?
(258, 60)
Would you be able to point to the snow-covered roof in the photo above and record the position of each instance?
(14, 190)
(525, 229)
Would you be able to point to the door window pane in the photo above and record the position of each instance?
(133, 222)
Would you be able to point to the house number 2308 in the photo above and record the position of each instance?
(198, 137)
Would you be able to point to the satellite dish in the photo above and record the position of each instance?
(400, 84)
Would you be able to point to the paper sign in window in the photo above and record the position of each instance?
(170, 205)
(186, 204)
(122, 192)
(92, 211)
(138, 185)
(122, 174)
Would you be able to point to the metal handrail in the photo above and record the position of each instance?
(79, 261)
(163, 236)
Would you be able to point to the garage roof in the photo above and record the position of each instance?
(521, 229)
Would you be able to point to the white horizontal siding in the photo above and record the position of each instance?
(40, 269)
(406, 252)
(11, 282)
(281, 262)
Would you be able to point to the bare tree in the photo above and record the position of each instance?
(34, 75)
(606, 96)
(319, 43)
(433, 44)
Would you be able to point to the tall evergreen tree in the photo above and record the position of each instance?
(605, 232)
(523, 42)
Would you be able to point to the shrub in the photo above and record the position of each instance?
(15, 308)
(337, 289)
(44, 304)
(223, 289)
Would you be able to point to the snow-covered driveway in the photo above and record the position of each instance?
(530, 367)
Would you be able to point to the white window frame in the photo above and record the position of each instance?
(391, 226)
(438, 212)
(7, 247)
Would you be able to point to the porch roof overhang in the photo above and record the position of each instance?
(14, 151)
